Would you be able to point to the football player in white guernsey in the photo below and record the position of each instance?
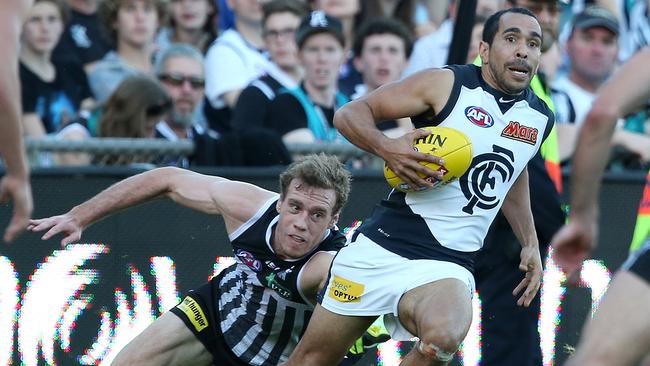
(619, 332)
(284, 244)
(412, 261)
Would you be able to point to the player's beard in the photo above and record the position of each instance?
(501, 81)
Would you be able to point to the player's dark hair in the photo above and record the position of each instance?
(383, 26)
(320, 171)
(492, 23)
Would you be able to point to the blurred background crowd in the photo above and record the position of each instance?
(247, 81)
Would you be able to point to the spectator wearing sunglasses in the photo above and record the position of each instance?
(279, 23)
(180, 69)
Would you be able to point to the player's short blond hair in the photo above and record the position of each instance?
(320, 171)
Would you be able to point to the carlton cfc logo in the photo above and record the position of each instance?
(479, 116)
(488, 170)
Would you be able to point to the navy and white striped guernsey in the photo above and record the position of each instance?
(450, 222)
(262, 311)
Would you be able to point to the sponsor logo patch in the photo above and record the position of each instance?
(519, 132)
(479, 116)
(194, 313)
(345, 290)
(273, 284)
(248, 259)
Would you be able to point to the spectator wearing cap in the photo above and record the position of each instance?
(592, 49)
(305, 114)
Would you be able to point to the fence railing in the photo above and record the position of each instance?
(124, 151)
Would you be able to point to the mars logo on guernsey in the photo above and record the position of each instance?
(479, 116)
(487, 170)
(345, 290)
(194, 313)
(516, 131)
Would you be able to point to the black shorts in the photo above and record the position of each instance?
(198, 310)
(639, 261)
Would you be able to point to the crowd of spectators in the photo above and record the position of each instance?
(238, 76)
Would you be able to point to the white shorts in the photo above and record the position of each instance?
(368, 280)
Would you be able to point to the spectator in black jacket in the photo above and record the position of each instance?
(83, 41)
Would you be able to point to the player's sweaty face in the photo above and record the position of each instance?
(515, 52)
(305, 215)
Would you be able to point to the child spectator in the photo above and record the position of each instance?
(350, 15)
(52, 92)
(132, 25)
(382, 48)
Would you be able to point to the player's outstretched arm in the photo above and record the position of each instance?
(516, 209)
(624, 93)
(425, 91)
(207, 194)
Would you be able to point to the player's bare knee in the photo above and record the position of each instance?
(440, 344)
(435, 353)
(446, 337)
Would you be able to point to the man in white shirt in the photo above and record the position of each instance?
(235, 59)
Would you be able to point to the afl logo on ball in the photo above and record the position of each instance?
(479, 116)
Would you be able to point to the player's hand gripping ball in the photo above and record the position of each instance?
(448, 143)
